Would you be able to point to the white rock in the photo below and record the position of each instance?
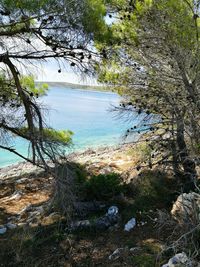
(22, 224)
(113, 210)
(130, 225)
(116, 254)
(179, 259)
(3, 230)
(134, 249)
(16, 195)
(186, 208)
(11, 225)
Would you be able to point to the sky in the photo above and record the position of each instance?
(48, 72)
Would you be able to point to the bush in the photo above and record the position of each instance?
(103, 187)
(154, 190)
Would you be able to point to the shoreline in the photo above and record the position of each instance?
(97, 88)
(73, 156)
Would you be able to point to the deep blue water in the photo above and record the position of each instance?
(86, 113)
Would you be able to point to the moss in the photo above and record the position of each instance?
(144, 260)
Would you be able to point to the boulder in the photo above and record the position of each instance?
(109, 219)
(187, 208)
(179, 260)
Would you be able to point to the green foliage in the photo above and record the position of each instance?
(144, 260)
(62, 137)
(28, 83)
(154, 190)
(103, 186)
(96, 11)
(81, 174)
(24, 4)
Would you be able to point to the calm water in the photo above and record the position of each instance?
(86, 113)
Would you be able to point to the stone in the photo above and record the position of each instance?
(179, 260)
(109, 219)
(11, 226)
(112, 211)
(23, 224)
(134, 249)
(187, 208)
(130, 225)
(2, 230)
(80, 225)
(118, 253)
(16, 195)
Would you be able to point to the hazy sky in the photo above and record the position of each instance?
(49, 72)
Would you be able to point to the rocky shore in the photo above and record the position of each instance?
(97, 157)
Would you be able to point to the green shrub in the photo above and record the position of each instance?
(154, 190)
(103, 187)
(144, 260)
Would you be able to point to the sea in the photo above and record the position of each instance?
(89, 114)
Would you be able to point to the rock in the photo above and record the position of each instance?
(16, 195)
(112, 211)
(130, 225)
(179, 260)
(11, 226)
(80, 225)
(187, 208)
(22, 224)
(118, 253)
(134, 249)
(2, 230)
(111, 218)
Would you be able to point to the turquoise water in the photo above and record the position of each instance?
(86, 113)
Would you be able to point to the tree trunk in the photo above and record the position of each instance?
(175, 160)
(188, 164)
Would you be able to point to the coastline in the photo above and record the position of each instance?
(98, 88)
(83, 156)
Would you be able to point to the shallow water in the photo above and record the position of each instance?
(85, 112)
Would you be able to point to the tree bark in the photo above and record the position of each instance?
(188, 164)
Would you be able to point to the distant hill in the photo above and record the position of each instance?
(79, 86)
